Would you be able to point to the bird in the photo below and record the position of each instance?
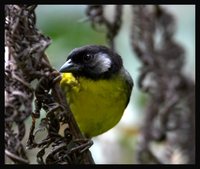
(97, 88)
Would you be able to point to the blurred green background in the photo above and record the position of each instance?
(62, 24)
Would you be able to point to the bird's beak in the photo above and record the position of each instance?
(69, 66)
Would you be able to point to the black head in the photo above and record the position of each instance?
(92, 61)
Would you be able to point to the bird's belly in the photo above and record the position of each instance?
(97, 109)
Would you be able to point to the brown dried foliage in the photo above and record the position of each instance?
(170, 113)
(27, 62)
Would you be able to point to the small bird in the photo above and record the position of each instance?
(97, 88)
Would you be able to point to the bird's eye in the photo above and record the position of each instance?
(87, 58)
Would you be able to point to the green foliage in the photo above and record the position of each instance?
(66, 31)
(142, 99)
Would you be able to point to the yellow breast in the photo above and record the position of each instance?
(97, 105)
